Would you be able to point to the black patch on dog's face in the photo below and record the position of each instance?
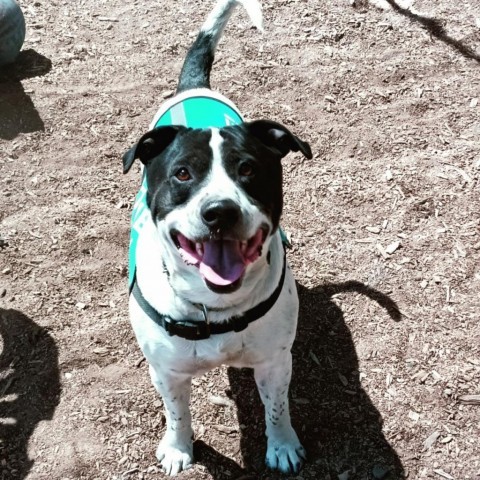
(255, 168)
(168, 185)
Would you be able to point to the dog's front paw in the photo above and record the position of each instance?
(287, 457)
(174, 458)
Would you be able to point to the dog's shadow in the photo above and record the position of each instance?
(17, 111)
(29, 388)
(331, 412)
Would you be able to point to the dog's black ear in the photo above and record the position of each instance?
(278, 137)
(150, 145)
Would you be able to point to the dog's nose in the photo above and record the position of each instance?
(220, 214)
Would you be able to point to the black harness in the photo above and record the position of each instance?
(201, 330)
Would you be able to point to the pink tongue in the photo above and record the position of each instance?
(222, 262)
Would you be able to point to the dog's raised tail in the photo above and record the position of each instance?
(199, 60)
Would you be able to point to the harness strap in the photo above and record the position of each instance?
(201, 330)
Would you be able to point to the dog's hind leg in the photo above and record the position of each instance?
(284, 450)
(175, 450)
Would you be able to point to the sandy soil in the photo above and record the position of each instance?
(384, 221)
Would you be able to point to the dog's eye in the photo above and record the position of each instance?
(246, 169)
(183, 175)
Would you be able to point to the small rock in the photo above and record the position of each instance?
(81, 306)
(6, 271)
(167, 94)
(3, 292)
(372, 229)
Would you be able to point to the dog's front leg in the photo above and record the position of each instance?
(284, 450)
(175, 450)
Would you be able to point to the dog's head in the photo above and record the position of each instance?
(216, 194)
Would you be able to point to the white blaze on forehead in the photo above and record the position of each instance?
(220, 184)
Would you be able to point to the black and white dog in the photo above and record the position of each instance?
(209, 281)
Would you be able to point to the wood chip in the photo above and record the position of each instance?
(382, 251)
(469, 399)
(428, 443)
(443, 474)
(421, 376)
(392, 247)
(414, 416)
(314, 357)
(108, 19)
(365, 240)
(225, 429)
(343, 379)
(221, 401)
(100, 350)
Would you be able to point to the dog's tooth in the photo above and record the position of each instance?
(199, 248)
(243, 247)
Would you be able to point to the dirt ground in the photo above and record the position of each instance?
(385, 223)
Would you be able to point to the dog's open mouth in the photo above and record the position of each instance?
(221, 261)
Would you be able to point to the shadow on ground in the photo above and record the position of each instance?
(17, 111)
(436, 28)
(334, 417)
(29, 388)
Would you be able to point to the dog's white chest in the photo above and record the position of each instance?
(259, 343)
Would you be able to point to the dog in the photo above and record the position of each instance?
(209, 281)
